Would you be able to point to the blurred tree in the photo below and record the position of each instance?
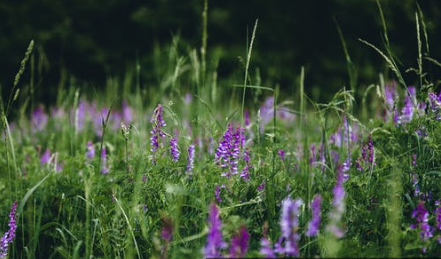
(92, 40)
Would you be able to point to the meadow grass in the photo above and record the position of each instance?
(187, 167)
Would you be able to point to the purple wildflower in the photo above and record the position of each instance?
(45, 158)
(245, 174)
(289, 223)
(39, 119)
(338, 206)
(261, 186)
(239, 243)
(408, 109)
(422, 217)
(166, 235)
(214, 239)
(80, 116)
(435, 104)
(266, 248)
(267, 113)
(174, 149)
(229, 150)
(217, 193)
(104, 168)
(190, 159)
(156, 132)
(9, 235)
(314, 224)
(281, 154)
(438, 214)
(391, 96)
(247, 118)
(127, 113)
(366, 161)
(90, 151)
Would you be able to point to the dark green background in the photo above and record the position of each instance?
(93, 40)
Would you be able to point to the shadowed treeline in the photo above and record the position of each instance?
(92, 40)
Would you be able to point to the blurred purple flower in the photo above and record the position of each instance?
(338, 207)
(90, 151)
(391, 96)
(190, 159)
(422, 217)
(39, 119)
(261, 187)
(289, 223)
(281, 154)
(239, 243)
(314, 224)
(217, 193)
(214, 239)
(267, 113)
(9, 235)
(104, 168)
(45, 158)
(127, 113)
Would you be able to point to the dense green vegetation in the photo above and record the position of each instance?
(234, 167)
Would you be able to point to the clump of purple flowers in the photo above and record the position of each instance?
(90, 151)
(391, 96)
(229, 150)
(314, 224)
(9, 235)
(245, 174)
(39, 119)
(338, 206)
(239, 243)
(422, 217)
(366, 161)
(156, 132)
(267, 113)
(289, 224)
(215, 243)
(408, 110)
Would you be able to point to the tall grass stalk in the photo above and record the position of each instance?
(247, 65)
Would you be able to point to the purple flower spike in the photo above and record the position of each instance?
(45, 157)
(281, 154)
(39, 119)
(289, 223)
(214, 239)
(239, 243)
(127, 113)
(174, 149)
(338, 207)
(314, 224)
(104, 169)
(190, 159)
(156, 132)
(217, 193)
(422, 217)
(90, 151)
(9, 236)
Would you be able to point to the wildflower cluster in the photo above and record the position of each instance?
(9, 235)
(229, 150)
(156, 132)
(366, 161)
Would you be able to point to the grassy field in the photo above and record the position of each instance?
(193, 166)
